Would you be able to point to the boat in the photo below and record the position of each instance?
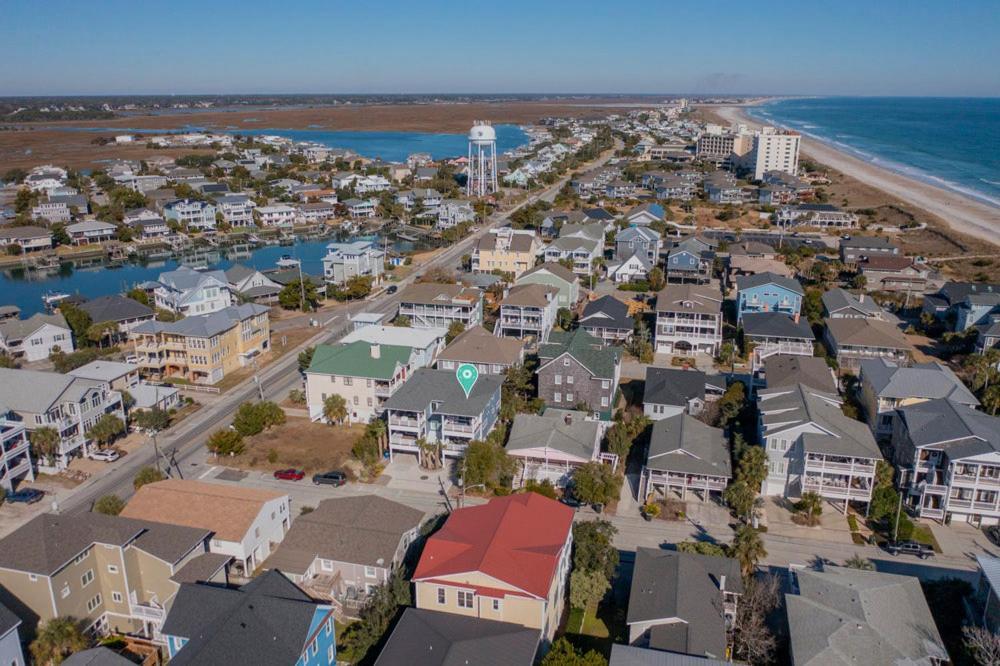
(287, 261)
(52, 298)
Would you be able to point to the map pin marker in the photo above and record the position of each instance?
(467, 375)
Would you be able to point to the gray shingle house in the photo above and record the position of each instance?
(550, 446)
(577, 368)
(685, 455)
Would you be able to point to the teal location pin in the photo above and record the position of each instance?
(467, 375)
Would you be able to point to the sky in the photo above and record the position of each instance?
(844, 47)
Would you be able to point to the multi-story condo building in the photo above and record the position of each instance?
(203, 348)
(886, 386)
(576, 369)
(364, 374)
(507, 560)
(948, 457)
(506, 250)
(685, 455)
(768, 292)
(812, 446)
(438, 305)
(528, 309)
(112, 574)
(688, 319)
(35, 338)
(69, 405)
(15, 452)
(344, 261)
(824, 216)
(432, 409)
(278, 215)
(236, 210)
(190, 292)
(194, 215)
(854, 340)
(773, 150)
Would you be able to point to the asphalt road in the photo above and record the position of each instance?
(276, 379)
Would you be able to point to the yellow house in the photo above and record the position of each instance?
(205, 348)
(508, 250)
(507, 560)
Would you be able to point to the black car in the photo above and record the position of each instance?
(26, 496)
(391, 289)
(334, 478)
(921, 550)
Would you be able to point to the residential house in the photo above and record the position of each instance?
(953, 297)
(191, 214)
(767, 292)
(344, 261)
(633, 268)
(853, 249)
(842, 304)
(643, 241)
(35, 338)
(823, 216)
(446, 639)
(364, 374)
(948, 457)
(190, 292)
(317, 212)
(987, 591)
(267, 621)
(252, 285)
(839, 616)
(150, 227)
(608, 319)
(528, 309)
(621, 189)
(453, 212)
(425, 343)
(645, 215)
(433, 407)
(346, 547)
(51, 212)
(10, 639)
(203, 348)
(477, 346)
(91, 231)
(812, 446)
(15, 463)
(683, 602)
(67, 404)
(690, 260)
(768, 333)
(853, 340)
(29, 239)
(688, 319)
(684, 455)
(723, 188)
(989, 335)
(425, 199)
(894, 273)
(885, 386)
(782, 370)
(112, 574)
(507, 560)
(116, 376)
(740, 265)
(506, 250)
(245, 523)
(629, 655)
(361, 208)
(439, 305)
(549, 446)
(672, 391)
(580, 251)
(578, 369)
(125, 312)
(977, 310)
(558, 276)
(237, 210)
(277, 215)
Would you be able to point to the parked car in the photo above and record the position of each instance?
(391, 289)
(290, 474)
(332, 478)
(26, 496)
(921, 550)
(106, 455)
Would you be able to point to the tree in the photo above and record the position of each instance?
(357, 287)
(57, 639)
(380, 608)
(740, 497)
(305, 358)
(78, 320)
(858, 562)
(564, 319)
(96, 333)
(753, 467)
(810, 505)
(564, 654)
(253, 418)
(732, 401)
(455, 329)
(593, 547)
(753, 641)
(859, 281)
(141, 296)
(335, 408)
(488, 464)
(656, 280)
(45, 443)
(401, 321)
(587, 588)
(106, 429)
(727, 352)
(595, 483)
(291, 296)
(623, 433)
(8, 361)
(147, 475)
(703, 548)
(543, 488)
(983, 645)
(748, 548)
(151, 419)
(225, 442)
(109, 505)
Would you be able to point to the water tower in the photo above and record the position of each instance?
(482, 160)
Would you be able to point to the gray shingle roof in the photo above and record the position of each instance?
(607, 312)
(8, 620)
(567, 431)
(35, 392)
(866, 332)
(669, 584)
(598, 358)
(115, 308)
(18, 329)
(960, 430)
(838, 300)
(98, 656)
(683, 444)
(703, 299)
(759, 279)
(673, 386)
(788, 370)
(185, 278)
(629, 655)
(431, 638)
(204, 326)
(761, 325)
(921, 380)
(477, 345)
(555, 269)
(427, 386)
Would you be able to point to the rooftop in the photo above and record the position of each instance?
(569, 432)
(683, 444)
(477, 345)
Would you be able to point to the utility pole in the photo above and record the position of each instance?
(302, 290)
(899, 509)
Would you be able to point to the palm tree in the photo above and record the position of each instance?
(45, 443)
(991, 399)
(753, 466)
(335, 408)
(57, 639)
(811, 506)
(748, 549)
(858, 562)
(378, 428)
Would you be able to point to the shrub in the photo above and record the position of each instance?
(543, 488)
(147, 475)
(109, 505)
(254, 418)
(225, 442)
(272, 456)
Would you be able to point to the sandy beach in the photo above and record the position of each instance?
(962, 214)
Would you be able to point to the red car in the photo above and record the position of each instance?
(290, 474)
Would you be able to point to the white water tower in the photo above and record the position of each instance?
(482, 160)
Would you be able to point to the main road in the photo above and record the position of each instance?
(184, 440)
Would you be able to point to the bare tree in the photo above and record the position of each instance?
(983, 644)
(752, 639)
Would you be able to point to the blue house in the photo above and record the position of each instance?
(767, 292)
(267, 621)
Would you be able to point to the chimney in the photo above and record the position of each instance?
(796, 317)
(861, 297)
(722, 582)
(376, 351)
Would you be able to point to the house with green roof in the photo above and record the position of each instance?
(578, 369)
(365, 374)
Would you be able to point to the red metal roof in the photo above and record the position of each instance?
(515, 539)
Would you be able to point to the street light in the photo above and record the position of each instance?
(462, 488)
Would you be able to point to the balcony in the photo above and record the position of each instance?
(929, 512)
(405, 422)
(820, 465)
(972, 505)
(826, 488)
(687, 481)
(147, 612)
(456, 427)
(970, 480)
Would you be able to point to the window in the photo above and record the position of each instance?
(348, 381)
(356, 401)
(566, 361)
(604, 401)
(315, 646)
(326, 565)
(465, 599)
(329, 626)
(441, 596)
(605, 384)
(94, 603)
(87, 578)
(117, 597)
(569, 379)
(569, 397)
(65, 592)
(557, 397)
(496, 605)
(370, 572)
(33, 578)
(558, 380)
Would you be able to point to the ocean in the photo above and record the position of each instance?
(949, 142)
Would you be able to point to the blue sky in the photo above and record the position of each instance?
(875, 47)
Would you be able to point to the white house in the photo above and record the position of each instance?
(279, 215)
(192, 292)
(35, 338)
(91, 231)
(195, 215)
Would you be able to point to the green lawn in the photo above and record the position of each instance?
(586, 623)
(923, 534)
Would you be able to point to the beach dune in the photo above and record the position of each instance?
(961, 213)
